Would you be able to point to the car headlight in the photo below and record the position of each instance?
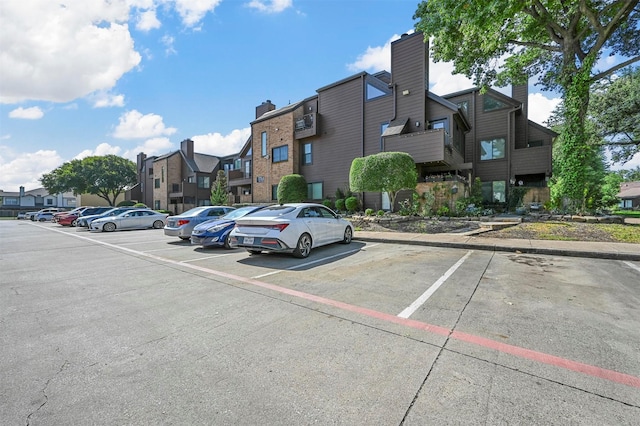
(216, 228)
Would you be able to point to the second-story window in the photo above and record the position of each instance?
(280, 153)
(307, 157)
(204, 182)
(263, 141)
(247, 168)
(492, 149)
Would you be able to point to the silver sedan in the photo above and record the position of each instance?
(131, 219)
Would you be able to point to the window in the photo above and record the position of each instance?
(280, 154)
(383, 127)
(150, 171)
(494, 192)
(532, 144)
(237, 164)
(625, 204)
(314, 191)
(439, 124)
(156, 204)
(274, 192)
(156, 183)
(374, 92)
(263, 141)
(162, 176)
(10, 201)
(307, 158)
(204, 182)
(492, 149)
(464, 106)
(489, 103)
(247, 168)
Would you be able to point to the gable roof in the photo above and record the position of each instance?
(629, 190)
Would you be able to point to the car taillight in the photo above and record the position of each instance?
(280, 227)
(182, 222)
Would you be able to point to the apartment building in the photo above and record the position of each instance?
(467, 134)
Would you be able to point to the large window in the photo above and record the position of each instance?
(307, 157)
(280, 154)
(274, 192)
(374, 92)
(492, 149)
(156, 183)
(247, 168)
(489, 103)
(314, 191)
(263, 141)
(204, 182)
(494, 192)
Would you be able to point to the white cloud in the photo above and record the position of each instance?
(33, 113)
(102, 149)
(541, 107)
(59, 52)
(221, 145)
(148, 21)
(168, 42)
(134, 125)
(192, 11)
(105, 99)
(154, 146)
(272, 6)
(26, 169)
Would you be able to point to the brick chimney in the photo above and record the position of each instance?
(520, 93)
(264, 108)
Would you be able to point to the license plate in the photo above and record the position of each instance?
(248, 240)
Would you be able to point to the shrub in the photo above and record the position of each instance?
(351, 204)
(429, 199)
(127, 203)
(292, 189)
(368, 212)
(327, 203)
(340, 205)
(140, 205)
(443, 211)
(380, 213)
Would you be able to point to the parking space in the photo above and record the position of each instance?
(357, 334)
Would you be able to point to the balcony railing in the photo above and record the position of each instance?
(306, 126)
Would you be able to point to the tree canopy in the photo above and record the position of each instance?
(560, 42)
(292, 189)
(105, 176)
(388, 172)
(615, 109)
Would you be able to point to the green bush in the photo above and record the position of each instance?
(351, 204)
(140, 205)
(292, 189)
(443, 211)
(327, 203)
(340, 206)
(380, 212)
(126, 203)
(368, 212)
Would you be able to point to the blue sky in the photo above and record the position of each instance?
(97, 77)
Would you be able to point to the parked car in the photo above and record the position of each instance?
(181, 225)
(130, 219)
(25, 215)
(29, 215)
(215, 232)
(47, 214)
(71, 219)
(77, 210)
(84, 221)
(290, 228)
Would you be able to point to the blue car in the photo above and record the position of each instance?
(215, 232)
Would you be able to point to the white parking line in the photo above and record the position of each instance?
(632, 265)
(427, 294)
(205, 258)
(302, 265)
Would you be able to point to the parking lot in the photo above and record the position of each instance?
(134, 327)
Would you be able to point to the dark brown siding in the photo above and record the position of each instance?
(409, 74)
(424, 147)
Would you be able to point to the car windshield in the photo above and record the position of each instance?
(234, 214)
(194, 211)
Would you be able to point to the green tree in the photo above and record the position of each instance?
(558, 41)
(219, 190)
(615, 108)
(388, 172)
(632, 175)
(292, 189)
(610, 190)
(105, 176)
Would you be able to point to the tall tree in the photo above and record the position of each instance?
(558, 41)
(615, 108)
(219, 190)
(388, 172)
(105, 176)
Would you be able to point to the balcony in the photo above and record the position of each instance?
(238, 178)
(424, 147)
(531, 160)
(181, 190)
(306, 126)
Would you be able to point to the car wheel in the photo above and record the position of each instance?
(109, 227)
(227, 241)
(254, 252)
(303, 248)
(348, 235)
(158, 224)
(74, 222)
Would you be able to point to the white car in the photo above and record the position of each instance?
(130, 219)
(290, 228)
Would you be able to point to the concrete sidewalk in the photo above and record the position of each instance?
(598, 250)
